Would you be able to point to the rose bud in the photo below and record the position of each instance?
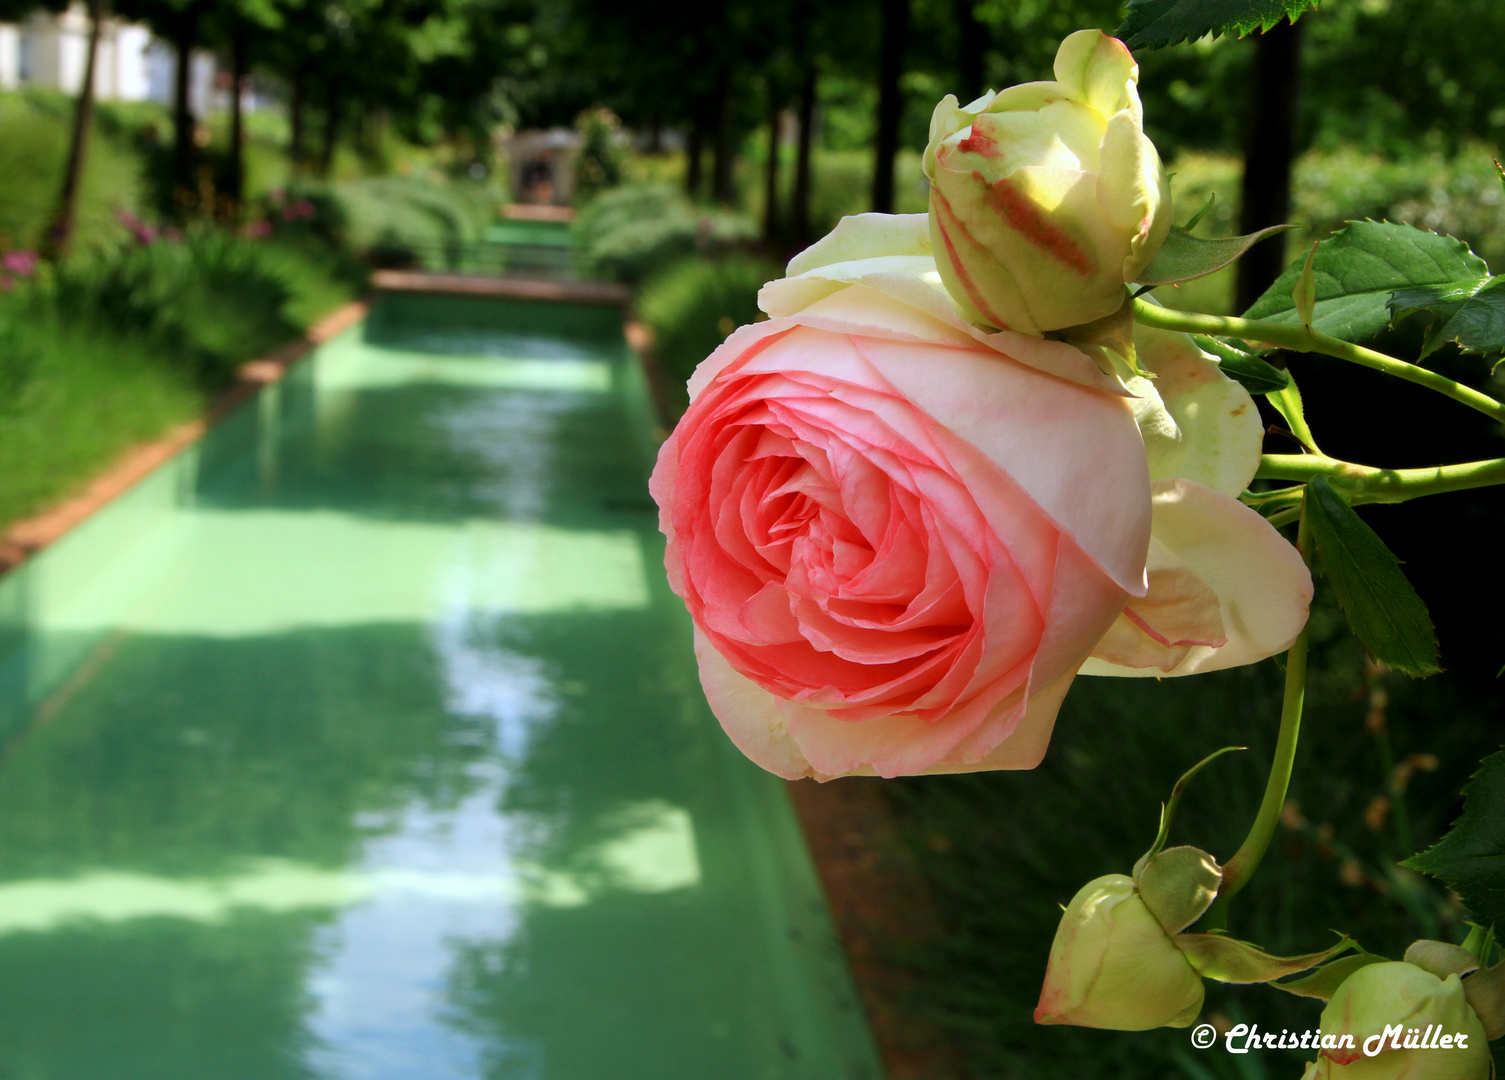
(1113, 965)
(1046, 198)
(1394, 1021)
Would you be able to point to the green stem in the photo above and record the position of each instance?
(1238, 870)
(1366, 484)
(1301, 339)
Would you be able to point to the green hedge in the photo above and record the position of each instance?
(693, 305)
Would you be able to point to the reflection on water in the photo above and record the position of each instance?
(365, 743)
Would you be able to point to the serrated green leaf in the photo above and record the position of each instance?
(1153, 24)
(1183, 256)
(1470, 859)
(1246, 369)
(1472, 313)
(1356, 271)
(1383, 609)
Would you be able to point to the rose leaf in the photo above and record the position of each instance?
(1470, 858)
(1472, 313)
(1383, 609)
(1153, 24)
(1254, 374)
(1357, 270)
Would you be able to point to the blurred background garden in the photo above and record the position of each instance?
(233, 170)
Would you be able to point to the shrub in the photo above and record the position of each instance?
(695, 304)
(208, 301)
(635, 231)
(420, 220)
(598, 165)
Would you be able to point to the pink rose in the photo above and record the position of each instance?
(898, 544)
(901, 536)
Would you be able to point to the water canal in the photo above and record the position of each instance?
(362, 741)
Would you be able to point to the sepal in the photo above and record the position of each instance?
(1226, 959)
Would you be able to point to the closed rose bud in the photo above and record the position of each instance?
(1046, 198)
(1112, 965)
(1394, 1021)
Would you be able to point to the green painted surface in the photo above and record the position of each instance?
(363, 741)
(529, 232)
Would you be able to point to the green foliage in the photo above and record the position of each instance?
(1287, 401)
(1471, 857)
(1249, 371)
(695, 304)
(1357, 270)
(1399, 75)
(114, 349)
(1383, 609)
(33, 147)
(1154, 24)
(407, 220)
(598, 163)
(71, 397)
(637, 230)
(211, 300)
(842, 185)
(1470, 313)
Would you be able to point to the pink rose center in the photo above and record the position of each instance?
(832, 552)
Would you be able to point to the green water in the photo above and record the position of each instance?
(363, 741)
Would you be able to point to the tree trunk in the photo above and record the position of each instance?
(1269, 146)
(771, 172)
(296, 107)
(723, 189)
(972, 51)
(799, 199)
(332, 105)
(890, 67)
(236, 187)
(184, 127)
(694, 152)
(55, 243)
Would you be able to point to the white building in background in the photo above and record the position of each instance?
(51, 50)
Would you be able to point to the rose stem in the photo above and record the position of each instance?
(1238, 870)
(1301, 339)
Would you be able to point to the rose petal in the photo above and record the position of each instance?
(1262, 585)
(1219, 434)
(863, 236)
(749, 715)
(1095, 69)
(1179, 612)
(1077, 454)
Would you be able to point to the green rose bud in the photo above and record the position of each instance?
(1114, 966)
(1047, 197)
(1394, 1021)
